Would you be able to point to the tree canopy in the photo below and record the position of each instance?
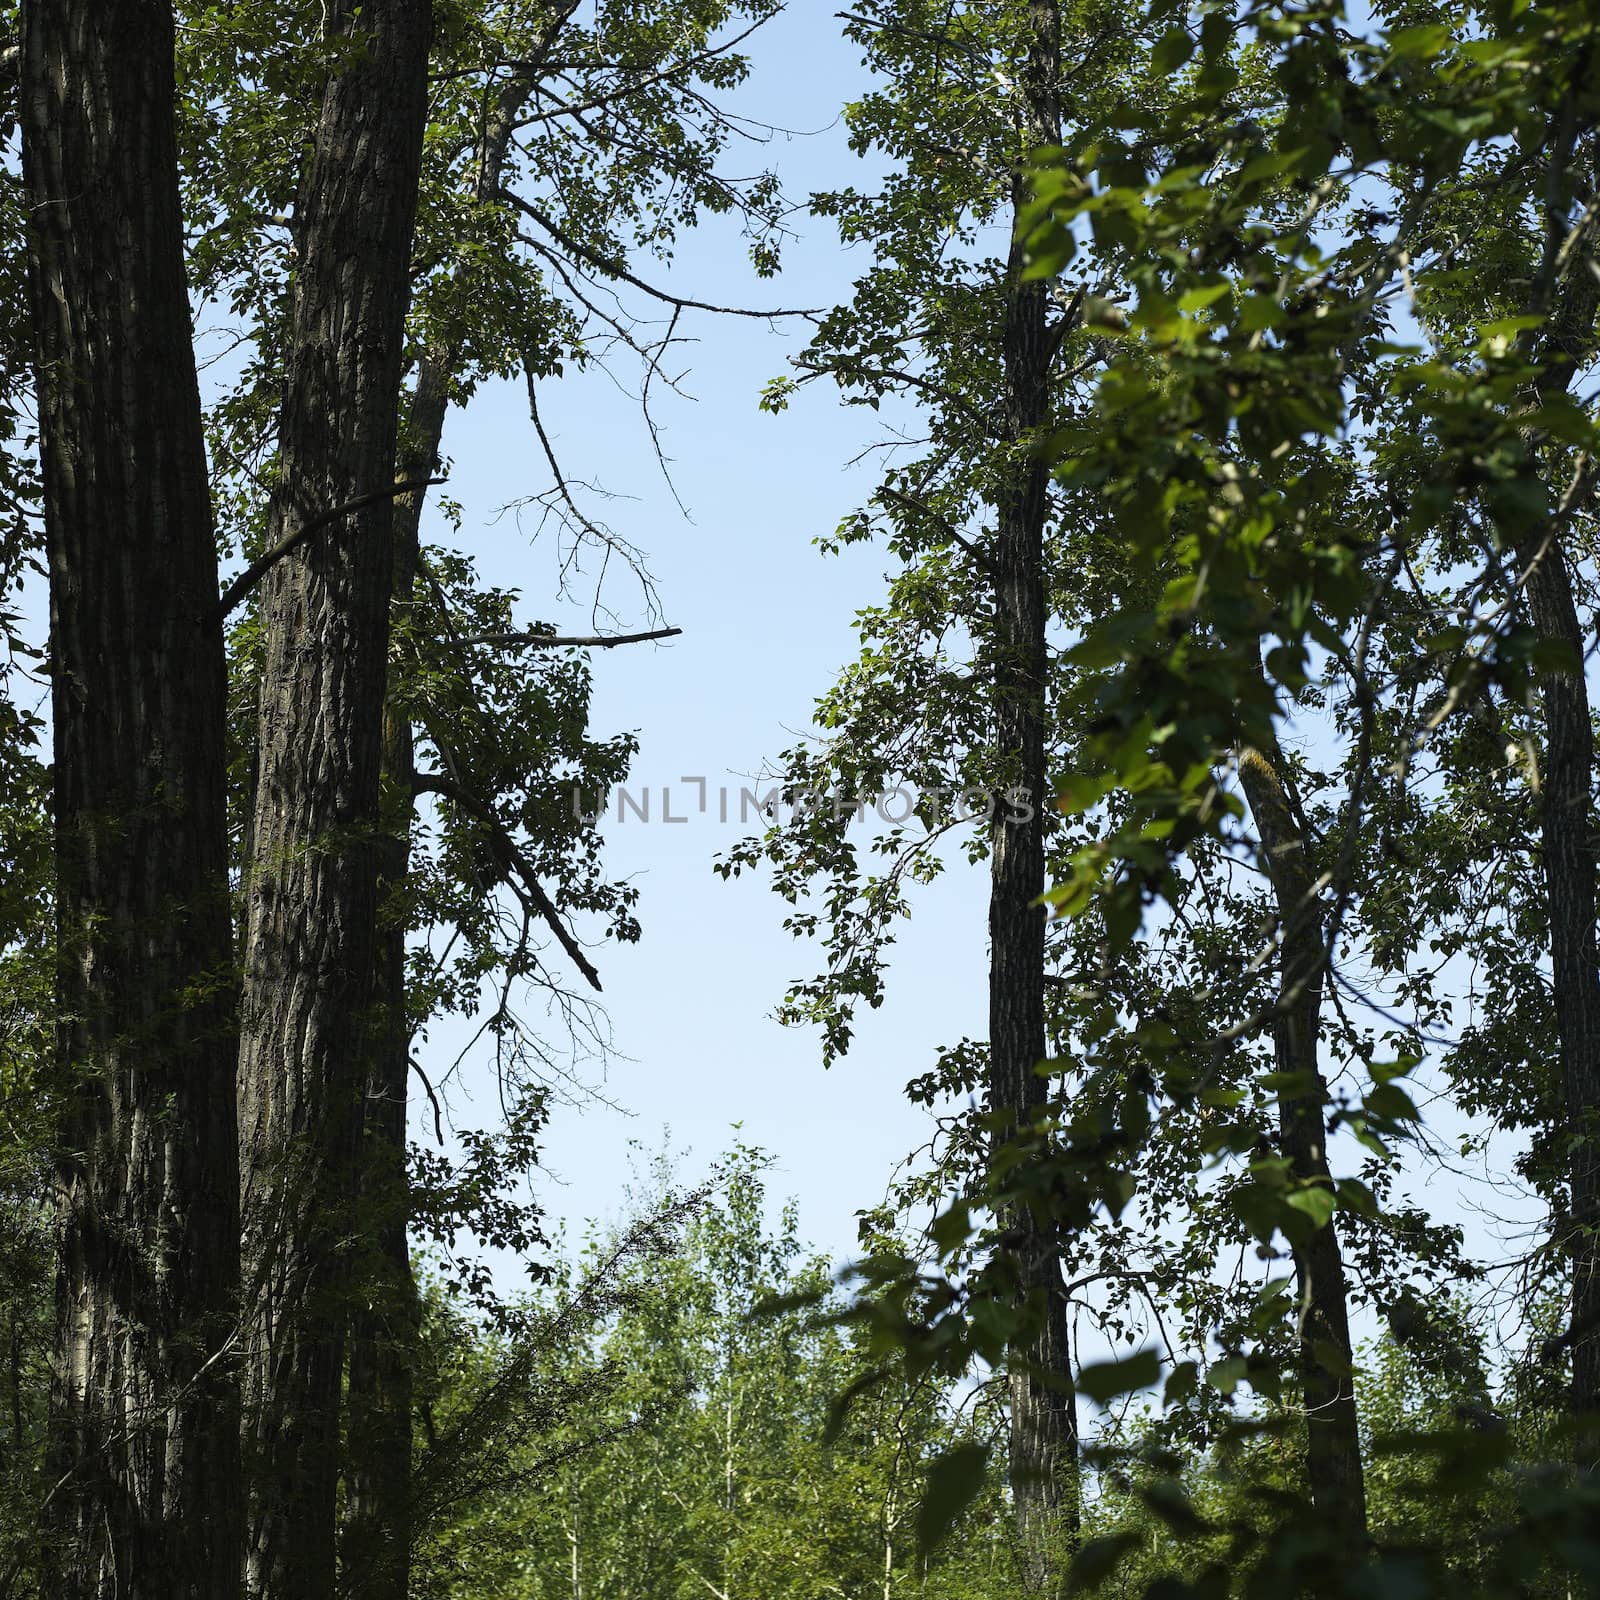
(1226, 371)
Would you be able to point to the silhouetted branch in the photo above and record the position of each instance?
(262, 565)
(513, 862)
(557, 641)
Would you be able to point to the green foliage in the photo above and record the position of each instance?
(1332, 280)
(677, 1429)
(1321, 297)
(710, 1466)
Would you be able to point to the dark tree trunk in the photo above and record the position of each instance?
(1567, 829)
(311, 1024)
(144, 1448)
(1044, 1433)
(375, 1557)
(1333, 1436)
(376, 1539)
(1566, 811)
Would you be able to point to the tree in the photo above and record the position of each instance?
(711, 1464)
(990, 359)
(518, 249)
(1327, 1356)
(1044, 1424)
(1265, 468)
(144, 1450)
(28, 1104)
(1291, 465)
(503, 738)
(309, 1029)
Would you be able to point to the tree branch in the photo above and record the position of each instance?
(262, 565)
(512, 861)
(636, 85)
(613, 269)
(557, 641)
(944, 524)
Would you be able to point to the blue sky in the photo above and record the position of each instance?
(767, 621)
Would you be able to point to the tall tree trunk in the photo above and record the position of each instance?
(310, 1028)
(1566, 821)
(1044, 1432)
(376, 1543)
(144, 1446)
(376, 1538)
(1566, 810)
(1333, 1436)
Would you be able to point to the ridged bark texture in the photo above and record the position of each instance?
(1333, 1435)
(376, 1538)
(378, 1532)
(310, 1025)
(1567, 839)
(144, 1450)
(1043, 1415)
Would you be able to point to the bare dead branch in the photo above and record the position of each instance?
(558, 641)
(262, 565)
(613, 269)
(513, 862)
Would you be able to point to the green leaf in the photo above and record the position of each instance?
(1103, 1381)
(1557, 656)
(951, 1229)
(1226, 1375)
(1507, 327)
(1316, 1203)
(1165, 1497)
(1330, 1358)
(1390, 1101)
(1098, 1560)
(1271, 166)
(1287, 664)
(1199, 299)
(1182, 1382)
(1173, 48)
(955, 1480)
(839, 1409)
(1411, 43)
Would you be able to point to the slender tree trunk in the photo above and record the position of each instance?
(1566, 809)
(1333, 1436)
(1044, 1432)
(376, 1539)
(377, 1536)
(1567, 838)
(144, 1450)
(311, 1025)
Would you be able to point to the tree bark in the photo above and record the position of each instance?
(376, 1542)
(311, 1029)
(1333, 1436)
(1043, 1420)
(1566, 823)
(1566, 811)
(144, 1448)
(376, 1538)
